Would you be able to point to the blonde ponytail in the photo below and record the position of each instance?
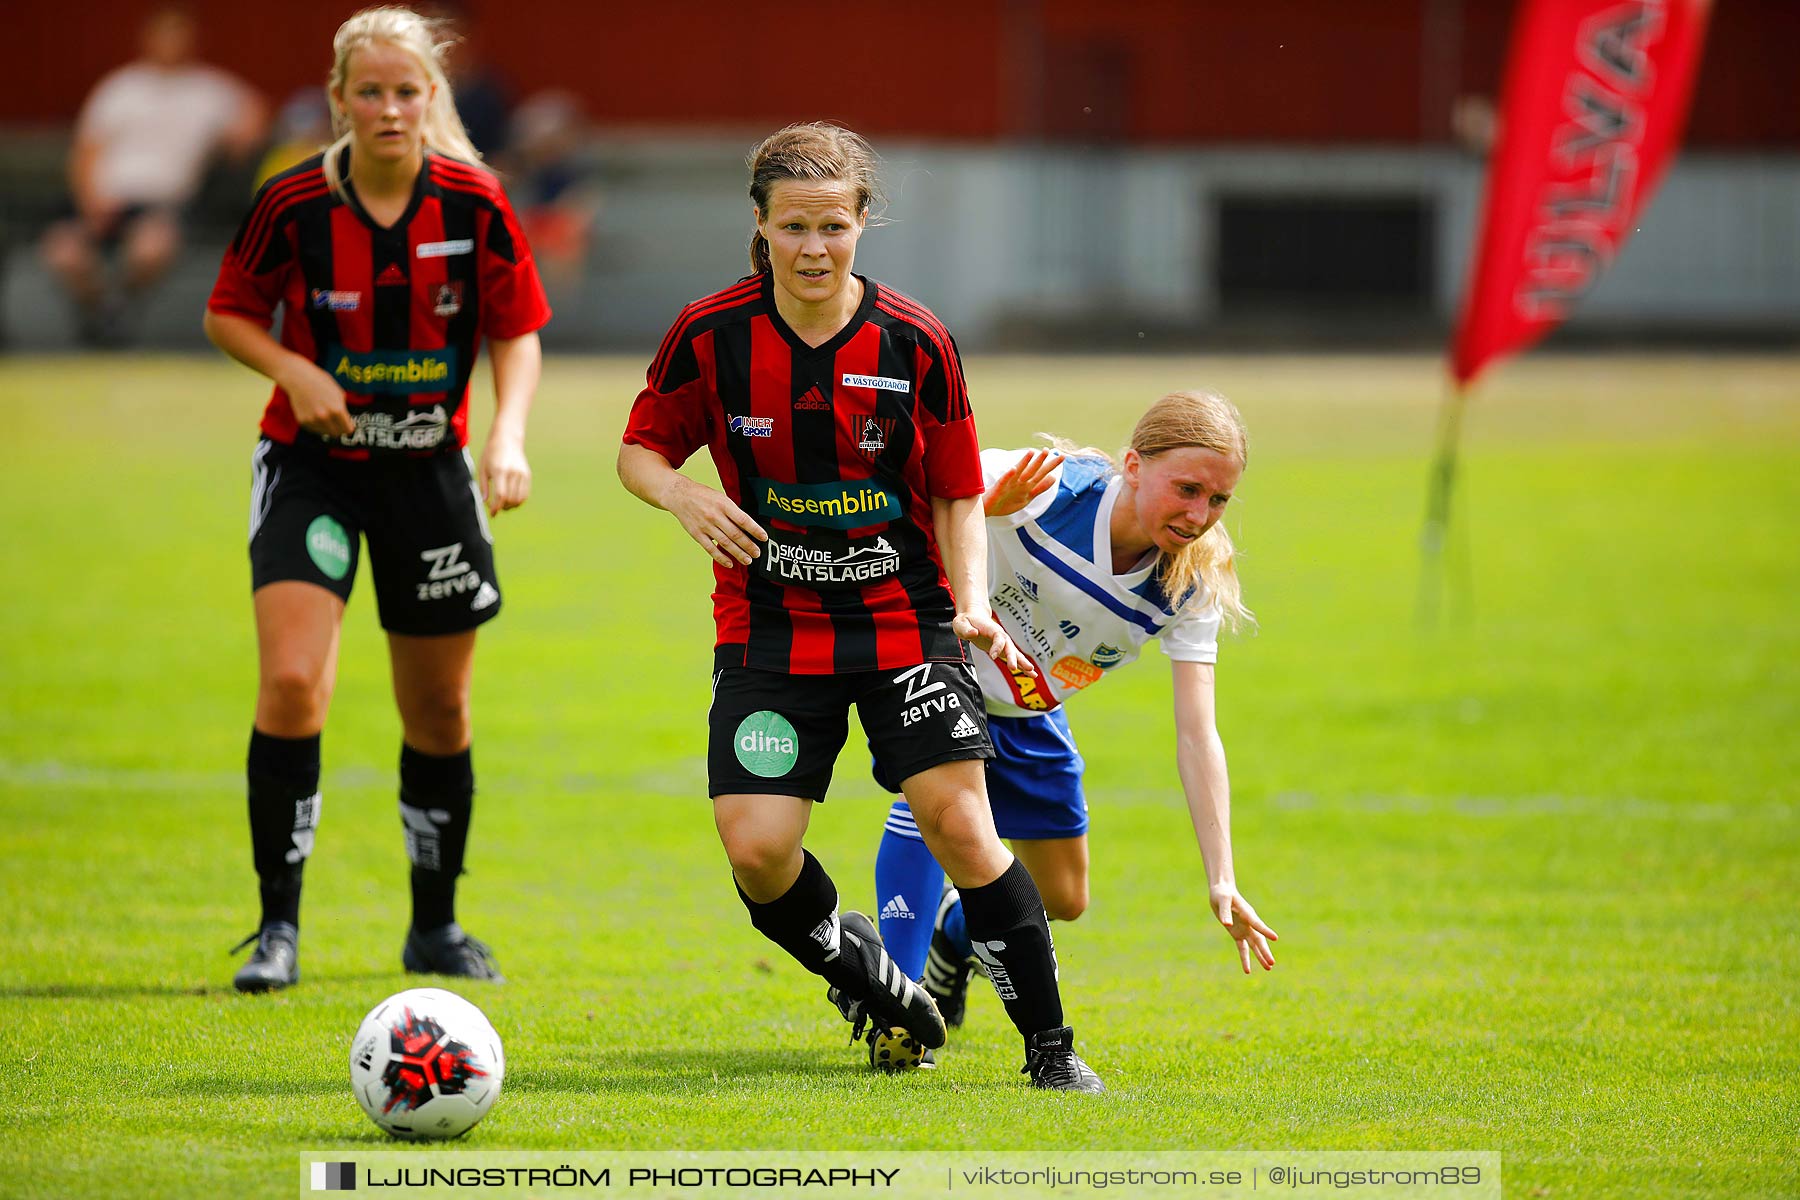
(442, 129)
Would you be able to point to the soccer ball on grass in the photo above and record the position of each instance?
(426, 1064)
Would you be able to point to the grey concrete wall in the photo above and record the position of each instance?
(1000, 241)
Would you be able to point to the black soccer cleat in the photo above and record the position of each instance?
(274, 964)
(890, 1000)
(1052, 1063)
(447, 950)
(946, 971)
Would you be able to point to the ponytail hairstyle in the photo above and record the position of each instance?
(816, 151)
(442, 129)
(1204, 570)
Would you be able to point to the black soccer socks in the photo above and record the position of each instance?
(802, 920)
(437, 798)
(283, 778)
(865, 983)
(1011, 937)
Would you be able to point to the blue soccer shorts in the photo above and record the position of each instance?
(1033, 780)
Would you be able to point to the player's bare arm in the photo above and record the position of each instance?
(317, 400)
(504, 473)
(1200, 761)
(722, 529)
(963, 541)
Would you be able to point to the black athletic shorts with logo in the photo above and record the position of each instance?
(429, 545)
(776, 734)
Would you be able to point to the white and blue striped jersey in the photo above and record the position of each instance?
(1052, 587)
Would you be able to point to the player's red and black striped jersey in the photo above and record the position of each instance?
(396, 314)
(836, 451)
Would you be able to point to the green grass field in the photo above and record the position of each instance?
(1535, 871)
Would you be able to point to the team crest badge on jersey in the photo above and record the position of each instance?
(1105, 656)
(875, 434)
(448, 301)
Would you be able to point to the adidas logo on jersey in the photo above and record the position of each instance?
(896, 910)
(486, 596)
(391, 276)
(965, 728)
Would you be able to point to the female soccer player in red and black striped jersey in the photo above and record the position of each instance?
(850, 568)
(390, 257)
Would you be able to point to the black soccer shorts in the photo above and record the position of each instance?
(429, 545)
(776, 734)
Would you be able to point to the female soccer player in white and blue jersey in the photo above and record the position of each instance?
(1088, 560)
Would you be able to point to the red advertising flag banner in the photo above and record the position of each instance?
(1595, 97)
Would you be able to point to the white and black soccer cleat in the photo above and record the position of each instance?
(892, 1002)
(274, 964)
(447, 950)
(1052, 1063)
(946, 971)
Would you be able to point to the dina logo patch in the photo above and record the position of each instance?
(767, 745)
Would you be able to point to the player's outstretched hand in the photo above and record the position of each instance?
(1029, 478)
(722, 529)
(317, 400)
(1240, 920)
(985, 634)
(504, 475)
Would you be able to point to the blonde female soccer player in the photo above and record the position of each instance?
(1090, 560)
(390, 256)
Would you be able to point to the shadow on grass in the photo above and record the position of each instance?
(665, 1071)
(216, 1087)
(119, 991)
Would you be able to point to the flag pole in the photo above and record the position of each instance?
(1442, 488)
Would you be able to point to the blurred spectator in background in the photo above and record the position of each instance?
(483, 97)
(302, 129)
(557, 204)
(142, 145)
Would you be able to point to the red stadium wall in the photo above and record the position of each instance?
(1175, 71)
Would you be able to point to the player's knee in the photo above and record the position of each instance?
(1065, 900)
(756, 854)
(291, 697)
(958, 828)
(437, 722)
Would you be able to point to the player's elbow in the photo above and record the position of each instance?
(212, 324)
